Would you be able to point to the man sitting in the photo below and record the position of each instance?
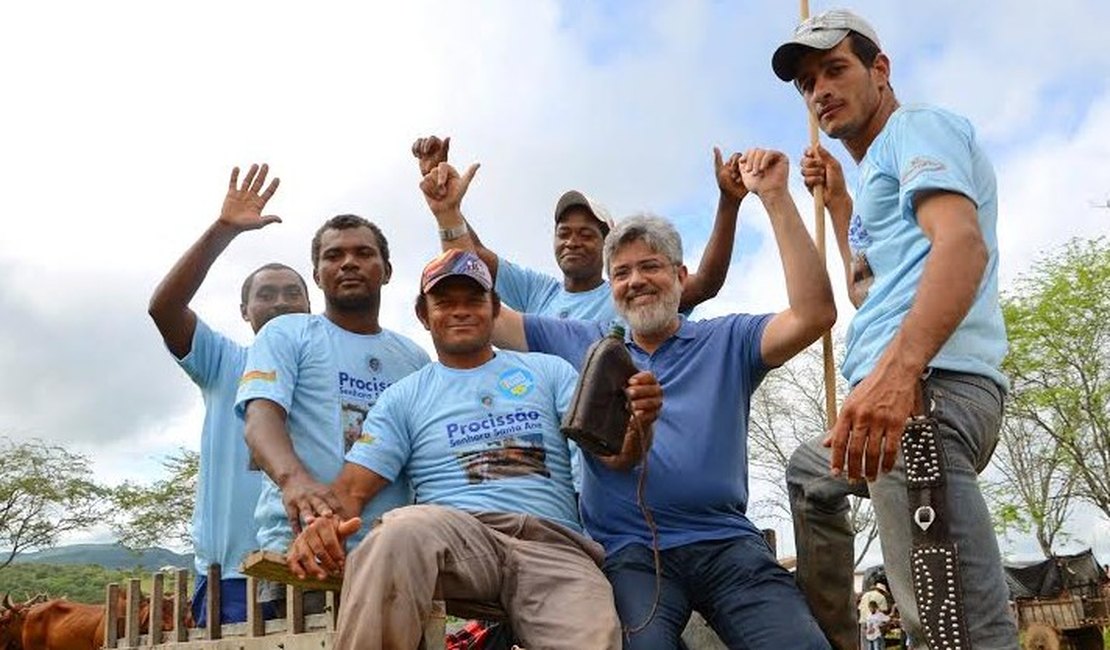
(477, 435)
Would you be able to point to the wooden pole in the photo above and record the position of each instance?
(819, 235)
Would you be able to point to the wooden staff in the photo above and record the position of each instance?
(819, 235)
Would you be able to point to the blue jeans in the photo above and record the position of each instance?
(233, 601)
(968, 409)
(748, 599)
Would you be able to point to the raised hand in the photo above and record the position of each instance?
(728, 176)
(444, 188)
(819, 167)
(764, 171)
(320, 548)
(244, 203)
(430, 151)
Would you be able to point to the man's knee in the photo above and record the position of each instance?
(806, 463)
(401, 530)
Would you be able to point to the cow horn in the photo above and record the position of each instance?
(8, 601)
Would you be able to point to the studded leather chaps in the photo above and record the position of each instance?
(934, 557)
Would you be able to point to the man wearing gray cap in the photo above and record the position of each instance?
(581, 224)
(923, 351)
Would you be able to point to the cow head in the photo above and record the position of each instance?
(11, 626)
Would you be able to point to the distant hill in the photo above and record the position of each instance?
(109, 556)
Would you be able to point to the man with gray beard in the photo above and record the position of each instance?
(702, 549)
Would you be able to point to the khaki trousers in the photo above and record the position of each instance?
(545, 577)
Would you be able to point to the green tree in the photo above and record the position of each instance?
(152, 515)
(1058, 321)
(45, 492)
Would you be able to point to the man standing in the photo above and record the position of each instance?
(223, 532)
(921, 258)
(311, 379)
(581, 225)
(478, 436)
(702, 553)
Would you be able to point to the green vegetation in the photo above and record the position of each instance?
(79, 583)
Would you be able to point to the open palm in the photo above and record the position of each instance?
(244, 203)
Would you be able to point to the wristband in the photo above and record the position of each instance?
(450, 234)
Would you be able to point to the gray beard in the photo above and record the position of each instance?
(655, 317)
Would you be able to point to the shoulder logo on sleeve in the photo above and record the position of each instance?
(919, 166)
(365, 439)
(258, 375)
(516, 382)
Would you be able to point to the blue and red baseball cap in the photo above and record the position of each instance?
(456, 262)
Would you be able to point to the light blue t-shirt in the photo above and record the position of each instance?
(532, 292)
(227, 491)
(921, 149)
(481, 440)
(697, 468)
(327, 379)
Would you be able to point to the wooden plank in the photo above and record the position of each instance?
(156, 608)
(294, 609)
(331, 609)
(134, 596)
(111, 613)
(269, 565)
(180, 602)
(256, 624)
(212, 604)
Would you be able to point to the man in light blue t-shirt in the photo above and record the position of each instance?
(223, 532)
(581, 225)
(920, 253)
(311, 379)
(477, 434)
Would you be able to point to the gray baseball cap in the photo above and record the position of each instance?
(574, 198)
(821, 32)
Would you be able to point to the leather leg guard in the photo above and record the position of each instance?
(934, 557)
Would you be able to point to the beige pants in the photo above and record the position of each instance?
(545, 577)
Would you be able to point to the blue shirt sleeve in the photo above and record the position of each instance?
(386, 441)
(931, 151)
(564, 338)
(749, 329)
(272, 366)
(208, 355)
(522, 288)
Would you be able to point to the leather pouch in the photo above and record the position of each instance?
(598, 415)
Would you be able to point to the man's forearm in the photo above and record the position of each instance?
(169, 304)
(840, 214)
(269, 442)
(807, 282)
(953, 271)
(713, 268)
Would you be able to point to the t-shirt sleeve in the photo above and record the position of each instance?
(747, 330)
(565, 381)
(208, 354)
(524, 289)
(386, 441)
(271, 368)
(932, 152)
(564, 338)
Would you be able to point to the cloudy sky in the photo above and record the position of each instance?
(121, 121)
